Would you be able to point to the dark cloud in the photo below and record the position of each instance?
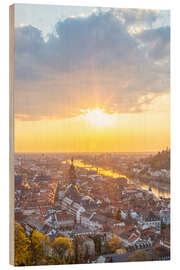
(157, 41)
(29, 50)
(90, 61)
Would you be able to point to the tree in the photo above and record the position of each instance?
(78, 253)
(62, 250)
(138, 255)
(97, 242)
(113, 244)
(22, 246)
(39, 247)
(86, 254)
(76, 250)
(39, 250)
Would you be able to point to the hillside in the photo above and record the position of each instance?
(160, 161)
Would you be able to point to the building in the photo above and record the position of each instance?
(71, 200)
(151, 220)
(64, 220)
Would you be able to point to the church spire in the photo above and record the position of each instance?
(72, 174)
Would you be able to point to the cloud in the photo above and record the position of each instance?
(137, 16)
(90, 61)
(157, 42)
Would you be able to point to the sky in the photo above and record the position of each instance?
(91, 79)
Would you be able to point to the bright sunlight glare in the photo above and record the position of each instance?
(98, 117)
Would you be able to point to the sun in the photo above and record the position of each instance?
(98, 117)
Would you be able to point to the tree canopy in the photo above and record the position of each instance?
(113, 244)
(38, 249)
(62, 249)
(22, 246)
(39, 246)
(138, 256)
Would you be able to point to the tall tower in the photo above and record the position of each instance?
(72, 174)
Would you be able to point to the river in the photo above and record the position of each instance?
(157, 191)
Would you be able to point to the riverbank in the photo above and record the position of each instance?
(156, 190)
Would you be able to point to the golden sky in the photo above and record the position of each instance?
(97, 131)
(91, 79)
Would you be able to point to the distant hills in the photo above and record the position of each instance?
(159, 161)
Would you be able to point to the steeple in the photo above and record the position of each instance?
(72, 174)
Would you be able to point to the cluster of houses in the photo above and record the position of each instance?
(58, 210)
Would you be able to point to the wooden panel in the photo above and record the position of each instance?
(11, 135)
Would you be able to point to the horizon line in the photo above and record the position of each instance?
(81, 152)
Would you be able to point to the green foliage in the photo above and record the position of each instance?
(39, 246)
(39, 250)
(22, 246)
(62, 250)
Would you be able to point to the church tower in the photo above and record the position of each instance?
(72, 174)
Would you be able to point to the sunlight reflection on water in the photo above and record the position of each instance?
(109, 173)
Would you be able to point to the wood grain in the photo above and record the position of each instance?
(11, 135)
